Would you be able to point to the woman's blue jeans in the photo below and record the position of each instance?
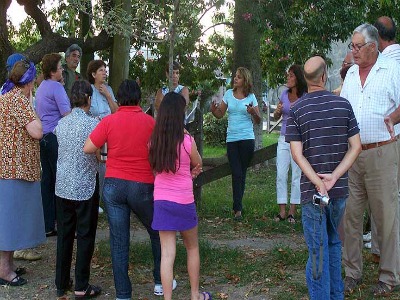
(120, 198)
(322, 238)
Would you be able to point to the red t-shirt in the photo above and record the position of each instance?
(127, 133)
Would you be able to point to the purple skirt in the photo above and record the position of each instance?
(173, 216)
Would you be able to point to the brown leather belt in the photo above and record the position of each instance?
(378, 144)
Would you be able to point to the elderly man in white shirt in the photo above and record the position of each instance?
(372, 87)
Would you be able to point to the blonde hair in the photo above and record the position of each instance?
(247, 80)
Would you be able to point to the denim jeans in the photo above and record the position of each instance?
(284, 159)
(321, 235)
(240, 154)
(48, 161)
(120, 198)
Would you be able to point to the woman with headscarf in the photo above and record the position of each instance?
(20, 199)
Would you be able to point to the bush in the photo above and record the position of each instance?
(214, 130)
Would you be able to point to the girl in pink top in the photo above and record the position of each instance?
(175, 160)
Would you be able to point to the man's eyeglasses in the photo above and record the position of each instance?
(352, 47)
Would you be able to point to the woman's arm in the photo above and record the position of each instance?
(89, 147)
(278, 111)
(35, 129)
(195, 161)
(110, 99)
(218, 110)
(255, 113)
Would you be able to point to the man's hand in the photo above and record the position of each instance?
(320, 187)
(328, 179)
(390, 126)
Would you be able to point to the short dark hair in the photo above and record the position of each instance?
(175, 66)
(50, 64)
(80, 92)
(129, 93)
(386, 33)
(92, 67)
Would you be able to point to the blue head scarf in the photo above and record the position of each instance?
(28, 76)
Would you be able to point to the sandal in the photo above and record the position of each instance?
(16, 281)
(382, 289)
(291, 219)
(20, 271)
(279, 218)
(204, 294)
(92, 291)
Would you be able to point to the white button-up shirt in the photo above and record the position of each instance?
(379, 97)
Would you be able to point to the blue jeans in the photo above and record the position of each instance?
(321, 234)
(240, 154)
(120, 198)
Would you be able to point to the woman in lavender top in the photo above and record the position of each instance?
(52, 104)
(297, 86)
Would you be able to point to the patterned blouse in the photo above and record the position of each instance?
(20, 156)
(76, 171)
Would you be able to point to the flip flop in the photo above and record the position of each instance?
(206, 294)
(279, 218)
(291, 219)
(17, 281)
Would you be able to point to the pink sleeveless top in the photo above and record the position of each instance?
(177, 187)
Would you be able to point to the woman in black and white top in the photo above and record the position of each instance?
(77, 203)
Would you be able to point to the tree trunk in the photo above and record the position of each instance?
(119, 66)
(5, 46)
(86, 20)
(246, 50)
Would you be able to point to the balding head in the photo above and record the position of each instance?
(386, 30)
(314, 68)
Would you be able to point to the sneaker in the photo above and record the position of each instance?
(367, 237)
(158, 289)
(350, 284)
(368, 245)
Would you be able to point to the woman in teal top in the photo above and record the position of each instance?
(243, 110)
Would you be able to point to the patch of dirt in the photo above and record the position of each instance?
(41, 274)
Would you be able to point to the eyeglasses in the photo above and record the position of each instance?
(352, 47)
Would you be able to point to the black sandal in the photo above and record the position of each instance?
(20, 271)
(92, 291)
(279, 218)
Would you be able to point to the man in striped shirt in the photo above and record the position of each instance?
(324, 141)
(372, 87)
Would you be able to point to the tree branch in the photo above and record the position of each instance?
(32, 9)
(217, 24)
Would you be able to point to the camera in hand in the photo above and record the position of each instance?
(319, 199)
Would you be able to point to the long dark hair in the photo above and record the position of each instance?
(301, 83)
(168, 134)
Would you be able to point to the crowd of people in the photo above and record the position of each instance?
(75, 143)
